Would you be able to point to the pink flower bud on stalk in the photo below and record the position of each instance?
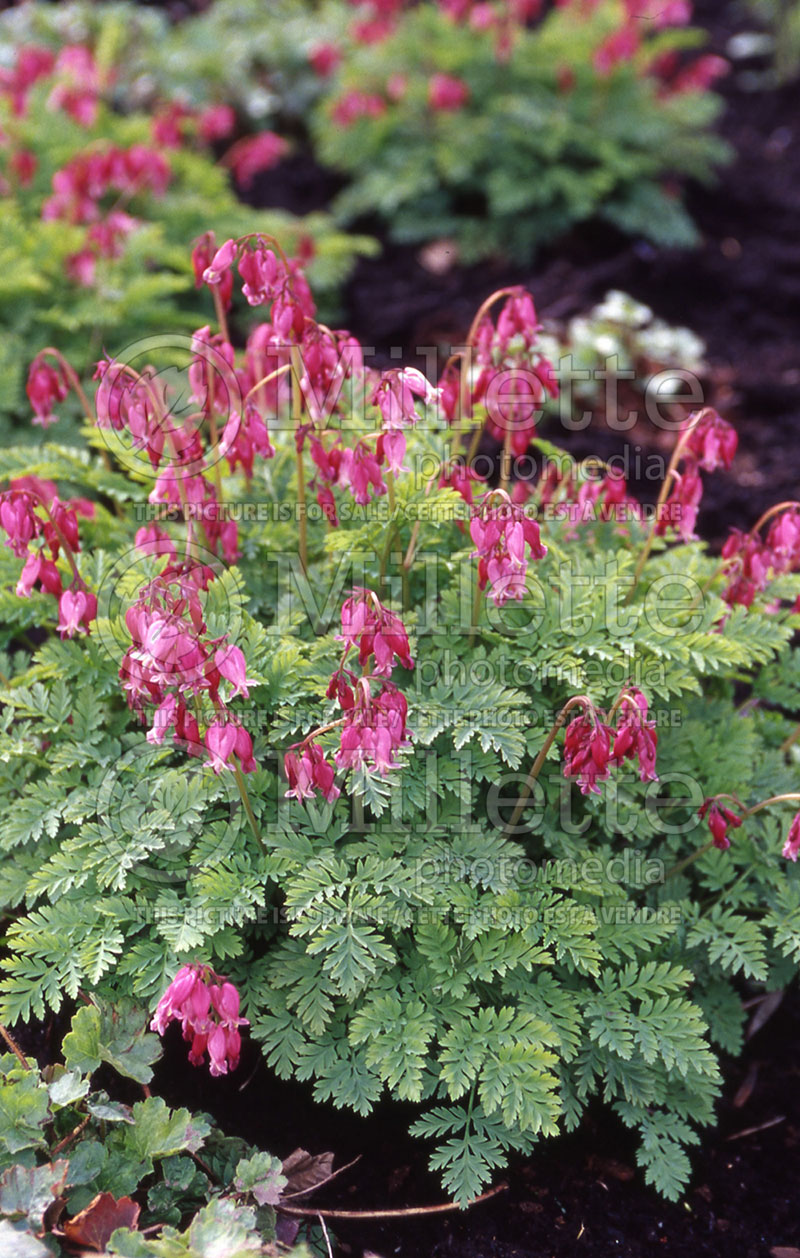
(207, 1007)
(47, 384)
(592, 745)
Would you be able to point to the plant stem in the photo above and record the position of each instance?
(476, 611)
(505, 465)
(72, 1135)
(297, 415)
(536, 767)
(792, 739)
(14, 1046)
(662, 497)
(688, 860)
(212, 420)
(391, 533)
(242, 785)
(220, 312)
(790, 796)
(410, 1212)
(266, 379)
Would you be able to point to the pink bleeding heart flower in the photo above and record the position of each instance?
(636, 737)
(264, 275)
(207, 1008)
(220, 263)
(375, 630)
(504, 536)
(719, 820)
(587, 752)
(394, 395)
(308, 772)
(204, 253)
(46, 385)
(391, 447)
(152, 540)
(230, 664)
(39, 572)
(19, 521)
(791, 848)
(712, 441)
(254, 154)
(747, 567)
(220, 741)
(374, 729)
(360, 471)
(679, 512)
(76, 610)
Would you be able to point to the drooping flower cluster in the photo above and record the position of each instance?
(176, 122)
(138, 403)
(30, 512)
(592, 746)
(394, 395)
(373, 728)
(77, 81)
(254, 154)
(173, 670)
(504, 536)
(508, 376)
(88, 191)
(307, 771)
(322, 363)
(752, 562)
(207, 1008)
(719, 820)
(376, 632)
(707, 442)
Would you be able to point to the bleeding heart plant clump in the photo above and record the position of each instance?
(383, 106)
(414, 896)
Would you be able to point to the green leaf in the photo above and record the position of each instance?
(260, 1175)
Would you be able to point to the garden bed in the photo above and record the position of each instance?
(740, 291)
(583, 1193)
